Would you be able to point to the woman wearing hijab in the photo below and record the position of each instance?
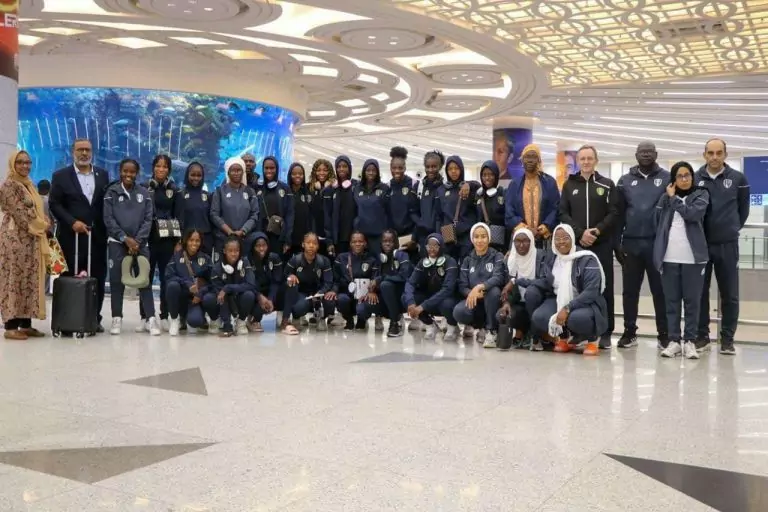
(455, 209)
(322, 183)
(431, 290)
(24, 251)
(342, 209)
(680, 252)
(532, 201)
(568, 304)
(235, 208)
(523, 265)
(276, 207)
(482, 275)
(304, 219)
(372, 199)
(490, 203)
(193, 206)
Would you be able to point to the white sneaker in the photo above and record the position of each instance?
(481, 336)
(689, 350)
(338, 321)
(322, 324)
(214, 327)
(469, 332)
(191, 330)
(165, 325)
(117, 326)
(431, 333)
(174, 327)
(241, 327)
(452, 333)
(490, 340)
(378, 324)
(537, 346)
(154, 327)
(672, 350)
(304, 322)
(142, 327)
(414, 325)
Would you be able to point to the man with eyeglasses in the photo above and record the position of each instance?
(77, 201)
(727, 214)
(639, 191)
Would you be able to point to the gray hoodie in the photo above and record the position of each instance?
(128, 213)
(235, 207)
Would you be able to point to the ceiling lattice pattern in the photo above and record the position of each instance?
(609, 41)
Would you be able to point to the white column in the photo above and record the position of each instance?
(9, 87)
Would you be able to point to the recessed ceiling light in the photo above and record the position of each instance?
(381, 97)
(371, 37)
(187, 11)
(208, 9)
(135, 43)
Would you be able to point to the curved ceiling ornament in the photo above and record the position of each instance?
(712, 36)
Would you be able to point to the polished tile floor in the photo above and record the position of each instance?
(358, 422)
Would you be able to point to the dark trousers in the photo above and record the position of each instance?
(259, 313)
(724, 259)
(15, 324)
(117, 252)
(297, 304)
(604, 253)
(518, 318)
(581, 322)
(179, 302)
(374, 245)
(682, 287)
(483, 316)
(240, 304)
(350, 307)
(160, 254)
(390, 300)
(98, 263)
(444, 308)
(637, 263)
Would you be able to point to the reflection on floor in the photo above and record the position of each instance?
(310, 423)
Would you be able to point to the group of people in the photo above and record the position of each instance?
(527, 266)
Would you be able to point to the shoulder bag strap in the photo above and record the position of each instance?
(458, 207)
(484, 210)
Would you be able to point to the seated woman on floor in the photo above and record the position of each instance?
(525, 262)
(567, 302)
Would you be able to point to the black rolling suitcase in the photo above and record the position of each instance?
(76, 301)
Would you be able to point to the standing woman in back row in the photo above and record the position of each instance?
(342, 209)
(373, 211)
(276, 207)
(193, 206)
(403, 204)
(457, 209)
(322, 179)
(490, 205)
(234, 209)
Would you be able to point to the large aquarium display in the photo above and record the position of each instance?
(141, 123)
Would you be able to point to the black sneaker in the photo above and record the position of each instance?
(662, 341)
(627, 340)
(361, 325)
(727, 348)
(605, 342)
(702, 344)
(350, 325)
(395, 330)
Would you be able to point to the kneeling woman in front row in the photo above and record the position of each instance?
(187, 278)
(354, 272)
(309, 286)
(389, 285)
(567, 301)
(128, 214)
(431, 289)
(233, 291)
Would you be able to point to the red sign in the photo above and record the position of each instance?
(9, 39)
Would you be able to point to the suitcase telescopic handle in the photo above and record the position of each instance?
(77, 252)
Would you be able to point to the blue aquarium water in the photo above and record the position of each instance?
(141, 123)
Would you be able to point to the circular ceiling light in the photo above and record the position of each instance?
(383, 39)
(458, 104)
(453, 76)
(194, 10)
(404, 121)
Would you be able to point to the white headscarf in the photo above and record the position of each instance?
(522, 266)
(561, 272)
(235, 160)
(477, 226)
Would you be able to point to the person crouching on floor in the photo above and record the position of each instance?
(354, 271)
(233, 291)
(389, 285)
(481, 277)
(431, 290)
(567, 302)
(268, 272)
(187, 277)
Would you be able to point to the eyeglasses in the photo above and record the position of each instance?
(23, 162)
(683, 177)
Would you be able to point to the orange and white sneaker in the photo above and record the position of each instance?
(591, 349)
(562, 345)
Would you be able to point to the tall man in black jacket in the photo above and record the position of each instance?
(727, 214)
(77, 201)
(589, 203)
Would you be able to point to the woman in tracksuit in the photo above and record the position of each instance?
(482, 275)
(188, 277)
(431, 289)
(304, 210)
(128, 218)
(322, 181)
(234, 209)
(163, 191)
(394, 270)
(373, 211)
(309, 280)
(426, 192)
(448, 197)
(193, 206)
(353, 272)
(342, 208)
(680, 252)
(276, 202)
(490, 201)
(268, 272)
(403, 203)
(232, 291)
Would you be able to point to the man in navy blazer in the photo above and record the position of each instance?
(77, 202)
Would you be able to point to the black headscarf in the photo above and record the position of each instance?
(678, 191)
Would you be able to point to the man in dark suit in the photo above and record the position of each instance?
(77, 201)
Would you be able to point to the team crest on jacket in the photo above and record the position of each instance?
(303, 199)
(360, 194)
(575, 192)
(140, 197)
(396, 264)
(600, 191)
(440, 271)
(378, 193)
(186, 196)
(169, 193)
(271, 265)
(245, 195)
(318, 272)
(701, 183)
(366, 267)
(500, 199)
(727, 183)
(426, 192)
(201, 261)
(634, 183)
(657, 182)
(242, 272)
(300, 270)
(182, 260)
(489, 267)
(205, 197)
(405, 191)
(471, 270)
(120, 199)
(281, 192)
